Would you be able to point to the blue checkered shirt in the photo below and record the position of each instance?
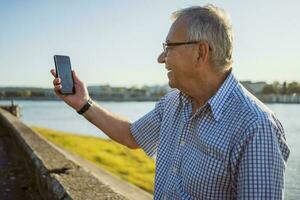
(233, 147)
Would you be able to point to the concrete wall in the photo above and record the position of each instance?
(58, 174)
(13, 109)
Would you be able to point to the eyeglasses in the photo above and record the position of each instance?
(172, 44)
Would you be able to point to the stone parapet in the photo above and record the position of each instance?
(58, 177)
(13, 109)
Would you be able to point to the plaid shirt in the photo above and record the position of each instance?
(233, 147)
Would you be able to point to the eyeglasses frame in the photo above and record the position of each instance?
(172, 44)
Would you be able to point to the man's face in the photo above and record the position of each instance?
(178, 59)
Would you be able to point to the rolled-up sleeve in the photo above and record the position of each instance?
(146, 129)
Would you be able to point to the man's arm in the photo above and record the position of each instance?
(260, 161)
(113, 126)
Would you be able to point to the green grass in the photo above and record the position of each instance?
(131, 165)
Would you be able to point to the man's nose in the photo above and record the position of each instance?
(161, 58)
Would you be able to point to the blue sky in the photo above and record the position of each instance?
(117, 42)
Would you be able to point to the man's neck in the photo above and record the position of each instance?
(203, 90)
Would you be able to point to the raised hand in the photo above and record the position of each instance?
(76, 100)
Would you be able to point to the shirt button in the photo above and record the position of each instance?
(175, 169)
(165, 197)
(181, 127)
(182, 143)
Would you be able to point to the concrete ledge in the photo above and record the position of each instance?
(13, 109)
(56, 173)
(115, 183)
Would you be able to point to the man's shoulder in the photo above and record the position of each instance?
(251, 109)
(168, 102)
(259, 122)
(171, 96)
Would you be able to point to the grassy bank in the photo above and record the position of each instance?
(131, 165)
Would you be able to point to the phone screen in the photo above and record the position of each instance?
(64, 72)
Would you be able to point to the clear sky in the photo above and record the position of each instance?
(117, 42)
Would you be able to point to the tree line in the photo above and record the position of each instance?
(276, 88)
(282, 88)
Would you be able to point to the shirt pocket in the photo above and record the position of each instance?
(204, 172)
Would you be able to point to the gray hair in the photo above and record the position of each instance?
(212, 25)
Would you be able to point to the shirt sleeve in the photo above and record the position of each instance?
(260, 163)
(146, 129)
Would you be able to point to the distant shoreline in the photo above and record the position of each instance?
(57, 99)
(271, 99)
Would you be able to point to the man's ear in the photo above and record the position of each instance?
(203, 52)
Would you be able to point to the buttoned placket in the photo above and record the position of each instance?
(177, 160)
(184, 125)
(180, 147)
(165, 197)
(181, 140)
(186, 122)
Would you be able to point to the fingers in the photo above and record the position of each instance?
(57, 87)
(57, 92)
(56, 81)
(53, 73)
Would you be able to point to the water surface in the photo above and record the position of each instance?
(57, 115)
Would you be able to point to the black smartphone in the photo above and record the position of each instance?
(64, 72)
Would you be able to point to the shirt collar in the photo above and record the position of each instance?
(217, 101)
(185, 98)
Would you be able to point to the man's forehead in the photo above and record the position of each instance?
(178, 31)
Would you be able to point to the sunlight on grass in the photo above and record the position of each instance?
(131, 165)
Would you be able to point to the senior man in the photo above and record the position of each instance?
(212, 138)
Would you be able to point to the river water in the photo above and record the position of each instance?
(56, 115)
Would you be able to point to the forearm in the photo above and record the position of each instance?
(115, 127)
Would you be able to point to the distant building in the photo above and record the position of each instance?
(106, 92)
(254, 87)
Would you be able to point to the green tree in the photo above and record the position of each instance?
(293, 87)
(284, 88)
(269, 89)
(277, 87)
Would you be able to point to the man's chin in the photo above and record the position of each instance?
(172, 82)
